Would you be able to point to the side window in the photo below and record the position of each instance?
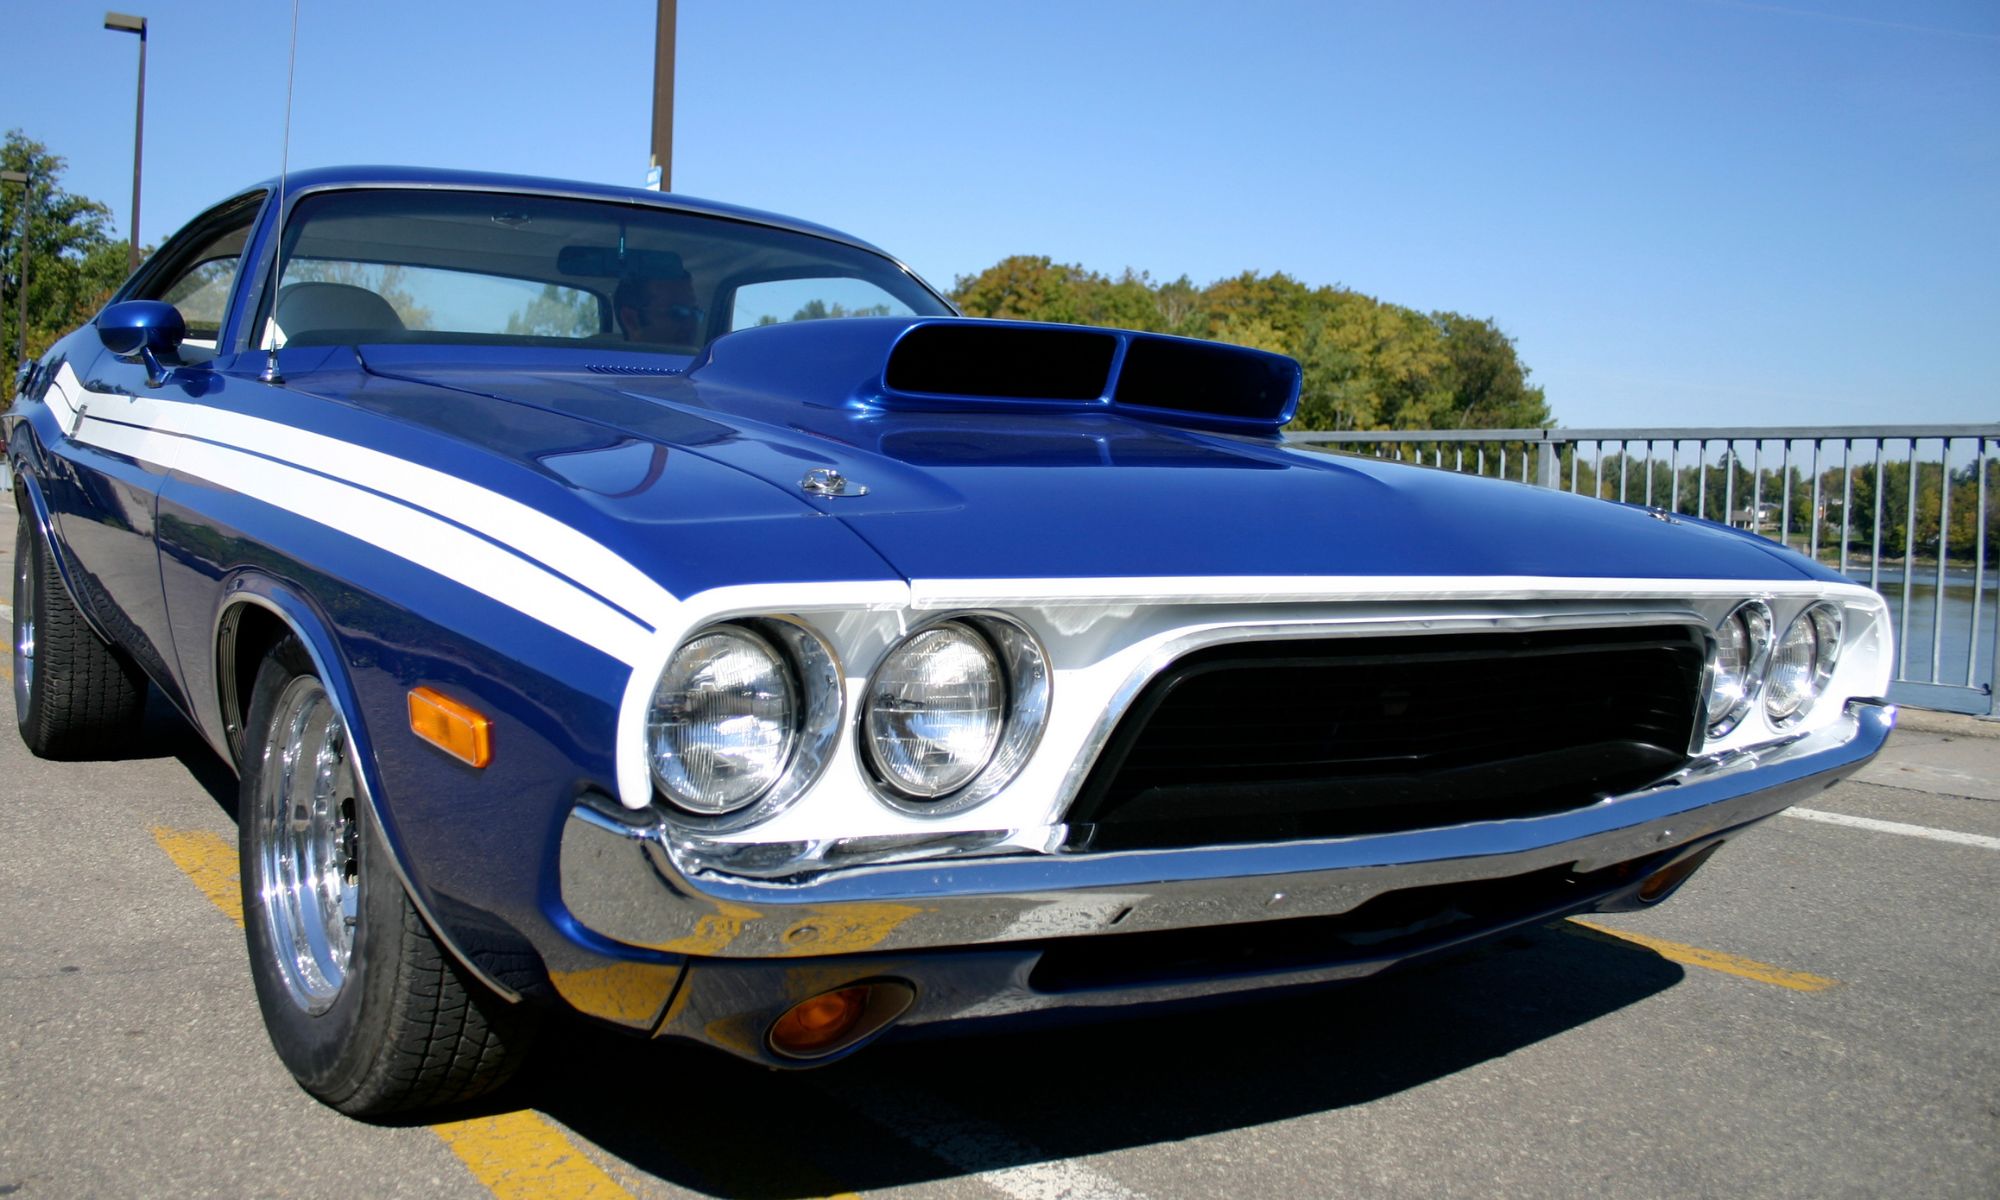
(202, 295)
(775, 301)
(197, 268)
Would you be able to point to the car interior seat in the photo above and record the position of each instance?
(331, 313)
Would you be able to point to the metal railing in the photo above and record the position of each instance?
(1907, 509)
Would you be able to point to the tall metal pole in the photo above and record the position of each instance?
(130, 24)
(138, 149)
(663, 94)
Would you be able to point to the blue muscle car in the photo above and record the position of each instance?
(678, 615)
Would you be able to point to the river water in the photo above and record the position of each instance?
(1914, 640)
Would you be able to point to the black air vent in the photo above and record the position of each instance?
(1002, 362)
(1348, 736)
(624, 369)
(1196, 377)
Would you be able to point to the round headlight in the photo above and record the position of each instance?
(934, 711)
(1742, 643)
(722, 721)
(1802, 664)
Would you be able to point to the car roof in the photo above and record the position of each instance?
(322, 178)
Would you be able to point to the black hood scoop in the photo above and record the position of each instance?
(957, 365)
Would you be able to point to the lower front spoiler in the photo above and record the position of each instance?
(753, 947)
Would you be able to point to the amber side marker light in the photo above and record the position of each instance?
(1665, 880)
(452, 727)
(833, 1021)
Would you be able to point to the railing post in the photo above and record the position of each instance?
(1846, 498)
(1909, 569)
(1545, 464)
(1944, 556)
(1979, 577)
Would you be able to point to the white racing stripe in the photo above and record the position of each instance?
(506, 520)
(975, 1146)
(1898, 827)
(437, 545)
(532, 562)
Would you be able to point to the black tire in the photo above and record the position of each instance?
(397, 1026)
(75, 697)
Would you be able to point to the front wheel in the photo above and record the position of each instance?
(366, 1009)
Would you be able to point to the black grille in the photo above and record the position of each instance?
(1345, 736)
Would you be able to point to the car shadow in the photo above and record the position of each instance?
(988, 1101)
(165, 733)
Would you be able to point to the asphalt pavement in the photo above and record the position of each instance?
(1816, 1014)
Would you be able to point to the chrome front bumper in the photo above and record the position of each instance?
(619, 878)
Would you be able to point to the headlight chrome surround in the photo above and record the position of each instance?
(1024, 681)
(1744, 636)
(1802, 663)
(813, 677)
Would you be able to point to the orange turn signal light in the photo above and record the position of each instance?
(833, 1021)
(811, 1026)
(454, 728)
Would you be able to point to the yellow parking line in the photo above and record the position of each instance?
(515, 1154)
(1713, 960)
(519, 1156)
(210, 860)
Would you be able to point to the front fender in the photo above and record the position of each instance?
(252, 590)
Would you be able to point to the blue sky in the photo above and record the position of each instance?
(1687, 212)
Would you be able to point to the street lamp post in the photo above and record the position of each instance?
(129, 24)
(21, 289)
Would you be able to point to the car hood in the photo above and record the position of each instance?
(972, 491)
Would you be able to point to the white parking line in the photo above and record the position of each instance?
(975, 1146)
(1922, 831)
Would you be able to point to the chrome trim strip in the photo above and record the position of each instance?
(619, 879)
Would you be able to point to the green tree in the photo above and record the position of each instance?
(387, 280)
(73, 263)
(557, 311)
(1485, 381)
(1367, 364)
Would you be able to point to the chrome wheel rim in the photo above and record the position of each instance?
(308, 864)
(24, 627)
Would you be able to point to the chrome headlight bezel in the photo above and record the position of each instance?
(1826, 624)
(818, 705)
(1025, 681)
(1755, 619)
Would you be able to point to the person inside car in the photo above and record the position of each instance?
(658, 308)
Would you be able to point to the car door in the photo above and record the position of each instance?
(106, 471)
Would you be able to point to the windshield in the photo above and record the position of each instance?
(489, 268)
